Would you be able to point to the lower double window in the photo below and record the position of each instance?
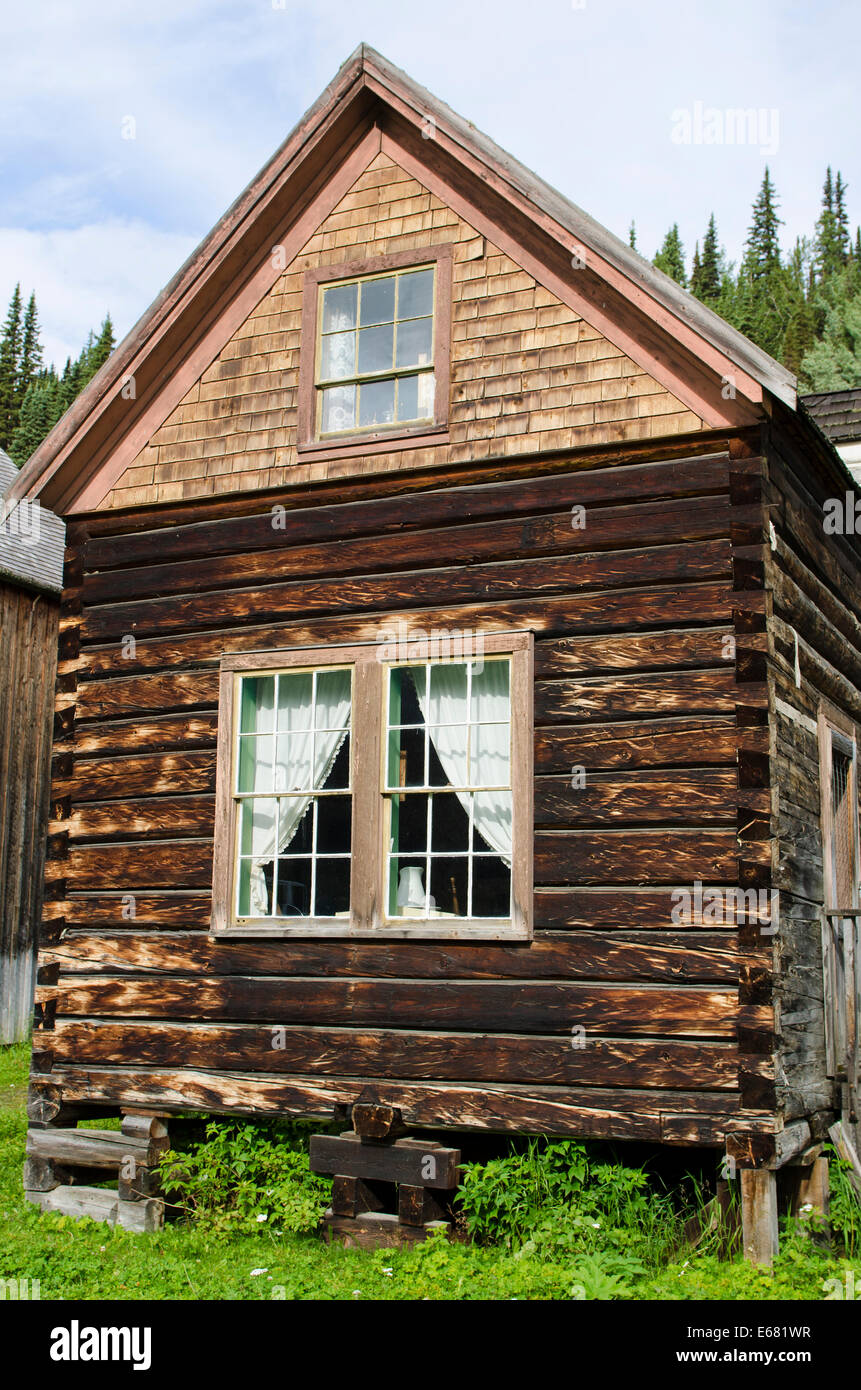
(360, 794)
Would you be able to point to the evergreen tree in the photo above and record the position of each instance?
(830, 252)
(102, 348)
(40, 411)
(841, 218)
(696, 269)
(762, 248)
(764, 301)
(632, 236)
(10, 361)
(707, 284)
(800, 334)
(671, 257)
(833, 363)
(31, 348)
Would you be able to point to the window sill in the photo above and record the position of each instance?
(326, 930)
(374, 442)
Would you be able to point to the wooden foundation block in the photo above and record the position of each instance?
(350, 1196)
(139, 1183)
(101, 1204)
(372, 1230)
(408, 1161)
(416, 1206)
(759, 1215)
(90, 1148)
(42, 1175)
(808, 1188)
(376, 1122)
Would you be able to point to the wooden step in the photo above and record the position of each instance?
(102, 1204)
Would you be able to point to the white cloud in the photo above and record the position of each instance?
(582, 94)
(80, 274)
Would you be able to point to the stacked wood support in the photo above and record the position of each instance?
(375, 1153)
(61, 1158)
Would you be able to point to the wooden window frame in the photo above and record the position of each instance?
(833, 722)
(381, 440)
(841, 922)
(367, 866)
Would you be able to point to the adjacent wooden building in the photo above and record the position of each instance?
(31, 579)
(454, 667)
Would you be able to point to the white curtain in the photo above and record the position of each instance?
(488, 761)
(293, 764)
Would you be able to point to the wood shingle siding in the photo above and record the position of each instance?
(525, 369)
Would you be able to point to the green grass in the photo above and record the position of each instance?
(87, 1260)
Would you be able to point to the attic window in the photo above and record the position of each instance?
(363, 792)
(374, 357)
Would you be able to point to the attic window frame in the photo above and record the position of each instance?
(368, 920)
(381, 439)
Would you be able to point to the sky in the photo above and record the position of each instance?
(127, 129)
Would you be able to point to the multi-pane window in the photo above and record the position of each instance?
(292, 795)
(358, 795)
(448, 790)
(375, 367)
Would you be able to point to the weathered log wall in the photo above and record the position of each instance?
(649, 625)
(814, 581)
(28, 657)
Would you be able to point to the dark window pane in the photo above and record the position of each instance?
(406, 760)
(338, 409)
(333, 887)
(375, 349)
(415, 294)
(293, 898)
(377, 303)
(339, 775)
(339, 308)
(409, 823)
(333, 824)
(407, 685)
(376, 403)
(491, 887)
(449, 823)
(295, 837)
(449, 885)
(415, 343)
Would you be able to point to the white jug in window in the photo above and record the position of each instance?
(411, 889)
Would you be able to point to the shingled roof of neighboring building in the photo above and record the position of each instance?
(837, 413)
(32, 539)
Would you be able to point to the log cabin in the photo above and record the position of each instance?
(459, 685)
